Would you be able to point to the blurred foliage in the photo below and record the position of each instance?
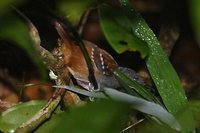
(195, 107)
(74, 9)
(152, 127)
(15, 116)
(15, 30)
(195, 16)
(102, 116)
(87, 119)
(6, 4)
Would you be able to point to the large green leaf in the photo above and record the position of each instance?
(15, 116)
(162, 72)
(14, 30)
(152, 127)
(160, 68)
(136, 103)
(102, 116)
(117, 29)
(145, 106)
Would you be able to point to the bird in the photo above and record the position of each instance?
(103, 63)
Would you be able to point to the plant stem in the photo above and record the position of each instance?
(43, 114)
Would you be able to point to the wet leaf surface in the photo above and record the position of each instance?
(162, 72)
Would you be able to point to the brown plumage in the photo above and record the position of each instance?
(103, 63)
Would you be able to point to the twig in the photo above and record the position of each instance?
(83, 21)
(48, 109)
(42, 115)
(45, 55)
(134, 124)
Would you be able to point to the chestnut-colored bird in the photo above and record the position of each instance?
(103, 63)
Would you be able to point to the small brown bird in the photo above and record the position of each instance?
(103, 63)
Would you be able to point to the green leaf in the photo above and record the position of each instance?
(101, 116)
(144, 106)
(13, 29)
(152, 127)
(117, 29)
(195, 16)
(74, 9)
(136, 103)
(16, 115)
(133, 87)
(161, 70)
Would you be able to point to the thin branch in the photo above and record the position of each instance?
(45, 55)
(131, 126)
(42, 115)
(83, 21)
